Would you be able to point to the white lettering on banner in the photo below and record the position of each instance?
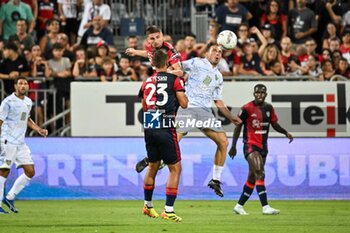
(188, 168)
(92, 170)
(322, 170)
(106, 170)
(61, 166)
(299, 168)
(344, 170)
(117, 169)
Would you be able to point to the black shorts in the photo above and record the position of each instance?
(250, 148)
(162, 144)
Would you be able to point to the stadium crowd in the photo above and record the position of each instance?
(67, 40)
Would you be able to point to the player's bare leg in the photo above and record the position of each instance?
(256, 165)
(171, 192)
(148, 185)
(219, 160)
(3, 176)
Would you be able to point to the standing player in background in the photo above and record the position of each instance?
(257, 116)
(14, 119)
(161, 96)
(204, 86)
(155, 40)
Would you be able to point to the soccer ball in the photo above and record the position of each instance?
(227, 39)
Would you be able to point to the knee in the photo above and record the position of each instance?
(223, 143)
(30, 173)
(260, 174)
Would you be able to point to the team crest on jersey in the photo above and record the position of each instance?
(207, 80)
(256, 123)
(8, 162)
(216, 78)
(268, 114)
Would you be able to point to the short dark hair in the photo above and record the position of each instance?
(153, 29)
(260, 86)
(210, 45)
(20, 78)
(11, 46)
(57, 46)
(160, 58)
(191, 35)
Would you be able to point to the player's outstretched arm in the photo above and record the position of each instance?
(224, 110)
(182, 99)
(39, 130)
(233, 151)
(281, 130)
(176, 69)
(135, 52)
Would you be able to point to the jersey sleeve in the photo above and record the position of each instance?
(140, 94)
(274, 117)
(179, 84)
(187, 65)
(243, 114)
(174, 56)
(4, 110)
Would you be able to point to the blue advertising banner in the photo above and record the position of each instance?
(103, 168)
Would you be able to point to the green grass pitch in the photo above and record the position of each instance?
(198, 216)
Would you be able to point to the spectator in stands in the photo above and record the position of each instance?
(286, 51)
(263, 42)
(267, 32)
(39, 69)
(302, 23)
(101, 52)
(271, 58)
(294, 67)
(83, 67)
(133, 42)
(21, 37)
(250, 62)
(314, 67)
(231, 15)
(113, 53)
(213, 31)
(107, 72)
(68, 10)
(91, 10)
(343, 68)
(243, 35)
(338, 12)
(125, 71)
(167, 38)
(190, 43)
(60, 69)
(276, 19)
(329, 34)
(327, 70)
(10, 13)
(181, 49)
(334, 44)
(47, 10)
(12, 66)
(326, 54)
(46, 42)
(96, 34)
(336, 56)
(345, 45)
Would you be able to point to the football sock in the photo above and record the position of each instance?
(18, 186)
(2, 186)
(217, 171)
(171, 194)
(169, 209)
(261, 189)
(247, 191)
(149, 204)
(148, 193)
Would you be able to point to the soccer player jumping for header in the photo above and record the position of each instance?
(257, 116)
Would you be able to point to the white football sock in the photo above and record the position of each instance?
(217, 171)
(2, 185)
(149, 204)
(169, 208)
(17, 187)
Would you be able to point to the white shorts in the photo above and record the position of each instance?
(18, 154)
(197, 118)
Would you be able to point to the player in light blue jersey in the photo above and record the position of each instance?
(14, 120)
(204, 86)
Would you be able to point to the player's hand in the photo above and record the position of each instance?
(43, 132)
(236, 120)
(290, 137)
(232, 152)
(130, 51)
